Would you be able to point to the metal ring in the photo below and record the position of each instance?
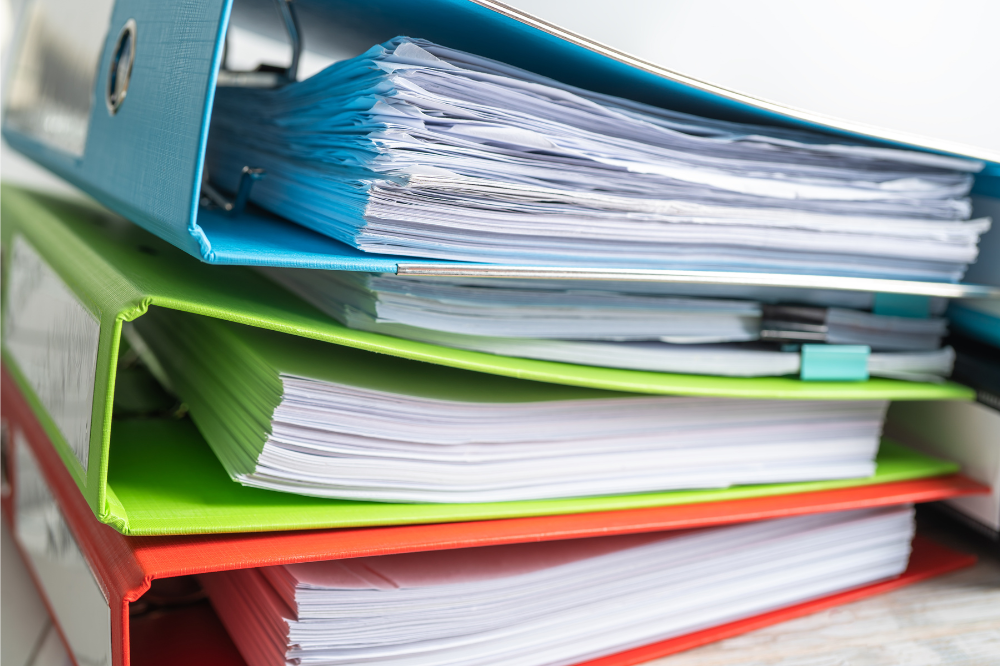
(120, 71)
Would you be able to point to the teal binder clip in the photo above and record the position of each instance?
(902, 305)
(834, 363)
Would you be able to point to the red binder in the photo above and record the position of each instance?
(125, 567)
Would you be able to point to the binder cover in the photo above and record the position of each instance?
(174, 59)
(167, 482)
(125, 567)
(189, 634)
(977, 318)
(83, 273)
(969, 435)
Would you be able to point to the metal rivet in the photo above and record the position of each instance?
(120, 71)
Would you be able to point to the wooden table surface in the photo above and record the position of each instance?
(953, 620)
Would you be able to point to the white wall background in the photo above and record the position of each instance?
(13, 167)
(930, 67)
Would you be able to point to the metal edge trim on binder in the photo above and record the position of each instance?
(793, 281)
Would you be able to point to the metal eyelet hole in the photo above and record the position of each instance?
(120, 70)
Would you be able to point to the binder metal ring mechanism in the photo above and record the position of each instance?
(171, 108)
(120, 71)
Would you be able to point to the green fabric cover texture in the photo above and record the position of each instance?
(119, 270)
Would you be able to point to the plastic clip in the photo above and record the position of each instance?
(834, 363)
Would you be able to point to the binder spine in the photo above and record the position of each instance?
(54, 340)
(72, 592)
(77, 301)
(177, 51)
(114, 569)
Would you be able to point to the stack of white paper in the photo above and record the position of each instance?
(552, 603)
(312, 418)
(336, 440)
(523, 309)
(608, 325)
(419, 150)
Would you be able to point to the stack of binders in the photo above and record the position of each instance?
(512, 350)
(967, 432)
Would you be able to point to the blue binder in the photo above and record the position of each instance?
(142, 136)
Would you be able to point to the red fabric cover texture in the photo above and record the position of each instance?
(192, 636)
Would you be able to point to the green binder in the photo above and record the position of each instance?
(74, 273)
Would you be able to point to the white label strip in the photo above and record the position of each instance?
(79, 605)
(54, 340)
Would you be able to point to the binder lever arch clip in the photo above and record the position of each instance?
(265, 76)
(212, 196)
(269, 76)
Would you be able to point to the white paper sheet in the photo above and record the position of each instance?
(553, 602)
